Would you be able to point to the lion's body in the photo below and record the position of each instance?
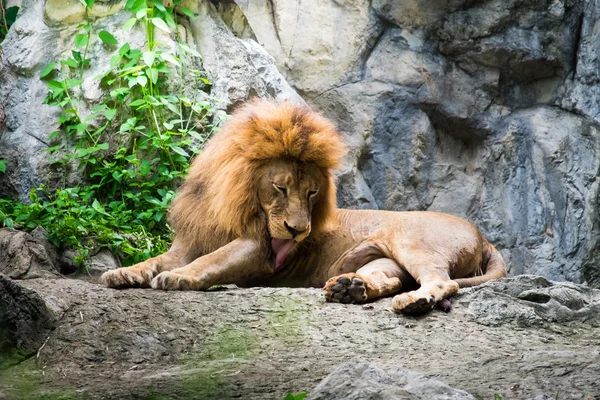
(258, 208)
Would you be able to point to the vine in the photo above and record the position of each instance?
(131, 149)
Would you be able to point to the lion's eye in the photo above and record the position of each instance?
(281, 189)
(312, 193)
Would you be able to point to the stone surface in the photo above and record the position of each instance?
(529, 300)
(25, 323)
(264, 342)
(23, 256)
(363, 381)
(486, 110)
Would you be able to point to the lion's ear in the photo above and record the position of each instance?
(324, 210)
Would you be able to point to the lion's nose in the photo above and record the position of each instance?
(295, 230)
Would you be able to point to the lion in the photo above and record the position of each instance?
(259, 208)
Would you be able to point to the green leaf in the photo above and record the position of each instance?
(53, 135)
(144, 168)
(107, 37)
(179, 150)
(89, 3)
(71, 83)
(81, 40)
(124, 49)
(159, 5)
(168, 57)
(99, 208)
(110, 114)
(2, 166)
(129, 24)
(81, 127)
(114, 60)
(152, 74)
(170, 21)
(47, 69)
(140, 14)
(149, 57)
(188, 12)
(142, 80)
(103, 146)
(70, 62)
(160, 24)
(137, 102)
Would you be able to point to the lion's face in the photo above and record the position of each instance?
(287, 193)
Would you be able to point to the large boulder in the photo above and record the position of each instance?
(25, 323)
(363, 381)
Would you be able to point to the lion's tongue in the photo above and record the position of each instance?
(281, 247)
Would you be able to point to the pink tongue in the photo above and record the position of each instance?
(281, 247)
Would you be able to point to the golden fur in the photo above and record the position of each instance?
(218, 199)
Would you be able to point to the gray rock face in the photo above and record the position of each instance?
(25, 322)
(485, 110)
(367, 382)
(24, 256)
(529, 300)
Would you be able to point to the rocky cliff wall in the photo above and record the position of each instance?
(484, 109)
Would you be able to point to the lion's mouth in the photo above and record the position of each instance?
(281, 247)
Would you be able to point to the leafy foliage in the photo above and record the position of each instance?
(132, 149)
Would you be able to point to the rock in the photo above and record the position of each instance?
(367, 382)
(239, 68)
(25, 323)
(264, 342)
(25, 257)
(101, 262)
(529, 300)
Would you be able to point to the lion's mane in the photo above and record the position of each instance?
(218, 201)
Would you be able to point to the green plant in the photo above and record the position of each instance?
(131, 150)
(299, 396)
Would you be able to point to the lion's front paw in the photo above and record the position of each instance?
(347, 288)
(127, 277)
(171, 280)
(413, 302)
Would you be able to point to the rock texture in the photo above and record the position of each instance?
(25, 323)
(486, 110)
(264, 342)
(362, 381)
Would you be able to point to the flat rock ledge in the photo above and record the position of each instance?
(521, 338)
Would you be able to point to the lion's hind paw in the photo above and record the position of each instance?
(346, 289)
(413, 303)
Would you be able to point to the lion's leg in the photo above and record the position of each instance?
(431, 273)
(141, 274)
(239, 260)
(378, 278)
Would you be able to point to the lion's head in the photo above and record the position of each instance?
(266, 175)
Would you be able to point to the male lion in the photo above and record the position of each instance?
(259, 208)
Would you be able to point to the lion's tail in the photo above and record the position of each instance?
(493, 267)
